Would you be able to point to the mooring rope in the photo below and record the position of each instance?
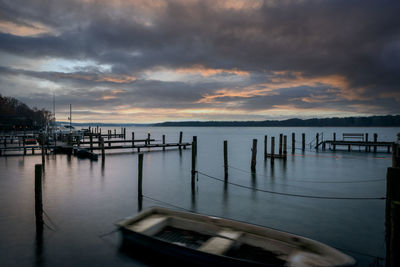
(289, 194)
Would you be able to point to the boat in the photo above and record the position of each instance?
(84, 153)
(198, 239)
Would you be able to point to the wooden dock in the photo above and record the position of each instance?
(356, 140)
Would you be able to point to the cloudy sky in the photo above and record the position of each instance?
(155, 60)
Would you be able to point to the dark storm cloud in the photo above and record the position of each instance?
(358, 39)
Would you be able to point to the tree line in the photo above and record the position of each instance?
(16, 115)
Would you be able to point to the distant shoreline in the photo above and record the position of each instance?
(373, 121)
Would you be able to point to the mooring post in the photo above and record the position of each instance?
(293, 142)
(392, 195)
(115, 133)
(102, 147)
(395, 234)
(124, 133)
(226, 159)
(254, 155)
(284, 146)
(148, 138)
(280, 144)
(366, 140)
(163, 141)
(375, 140)
(317, 141)
(334, 140)
(303, 141)
(265, 146)
(91, 142)
(133, 139)
(42, 150)
(38, 198)
(180, 140)
(140, 175)
(272, 149)
(109, 134)
(194, 152)
(395, 155)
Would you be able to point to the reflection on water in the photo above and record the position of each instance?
(85, 198)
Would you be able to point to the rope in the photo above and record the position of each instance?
(166, 203)
(314, 181)
(293, 195)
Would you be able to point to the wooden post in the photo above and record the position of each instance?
(265, 146)
(124, 133)
(303, 141)
(366, 140)
(38, 198)
(394, 259)
(140, 175)
(163, 141)
(133, 139)
(284, 146)
(334, 140)
(395, 155)
(148, 138)
(194, 152)
(180, 140)
(33, 151)
(115, 133)
(109, 134)
(293, 142)
(317, 141)
(280, 144)
(42, 150)
(392, 195)
(254, 155)
(375, 140)
(102, 147)
(91, 142)
(272, 149)
(226, 159)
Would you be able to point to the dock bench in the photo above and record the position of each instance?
(358, 136)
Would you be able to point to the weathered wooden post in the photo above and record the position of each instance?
(109, 134)
(254, 155)
(133, 139)
(375, 140)
(272, 149)
(180, 140)
(334, 140)
(392, 195)
(265, 146)
(284, 146)
(317, 141)
(140, 178)
(91, 142)
(102, 147)
(226, 159)
(38, 198)
(115, 133)
(124, 133)
(194, 152)
(303, 141)
(366, 140)
(163, 141)
(42, 150)
(293, 142)
(148, 138)
(280, 144)
(395, 155)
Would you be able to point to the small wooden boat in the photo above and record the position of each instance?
(199, 239)
(84, 153)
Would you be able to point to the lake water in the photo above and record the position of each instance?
(82, 199)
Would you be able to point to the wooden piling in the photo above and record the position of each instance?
(148, 138)
(293, 142)
(254, 155)
(163, 141)
(109, 134)
(124, 133)
(334, 140)
(42, 150)
(102, 147)
(392, 195)
(140, 175)
(265, 146)
(284, 146)
(133, 139)
(180, 140)
(395, 155)
(38, 198)
(317, 141)
(375, 140)
(303, 141)
(366, 140)
(272, 149)
(280, 144)
(91, 142)
(226, 159)
(194, 152)
(394, 259)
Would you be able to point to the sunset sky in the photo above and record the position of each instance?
(154, 60)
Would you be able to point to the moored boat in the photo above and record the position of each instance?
(205, 240)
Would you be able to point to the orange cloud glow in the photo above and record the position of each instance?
(23, 30)
(205, 72)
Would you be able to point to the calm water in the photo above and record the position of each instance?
(83, 199)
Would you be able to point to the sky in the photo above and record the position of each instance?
(122, 61)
